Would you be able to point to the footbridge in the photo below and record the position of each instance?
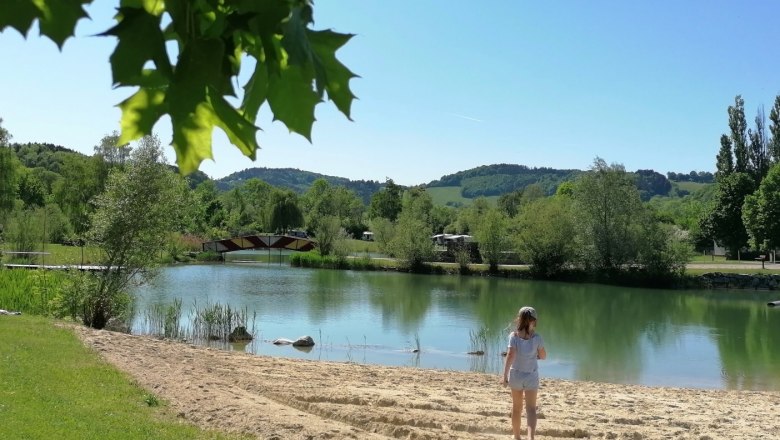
(246, 242)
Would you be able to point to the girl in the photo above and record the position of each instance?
(521, 369)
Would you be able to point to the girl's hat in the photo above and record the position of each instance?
(527, 309)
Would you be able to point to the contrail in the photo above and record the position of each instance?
(465, 117)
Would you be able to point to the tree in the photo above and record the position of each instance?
(417, 202)
(470, 217)
(75, 192)
(761, 212)
(327, 233)
(209, 214)
(294, 65)
(112, 153)
(738, 126)
(491, 234)
(386, 202)
(758, 152)
(8, 174)
(725, 219)
(608, 207)
(284, 213)
(774, 131)
(411, 243)
(651, 183)
(384, 232)
(546, 237)
(25, 231)
(32, 191)
(131, 223)
(565, 189)
(510, 202)
(724, 161)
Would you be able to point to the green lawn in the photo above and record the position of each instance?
(357, 247)
(58, 254)
(691, 187)
(55, 388)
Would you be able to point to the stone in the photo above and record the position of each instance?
(303, 341)
(240, 334)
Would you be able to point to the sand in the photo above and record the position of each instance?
(279, 398)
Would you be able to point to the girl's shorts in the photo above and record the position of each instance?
(523, 381)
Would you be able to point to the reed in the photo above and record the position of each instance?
(478, 341)
(165, 320)
(416, 343)
(29, 291)
(215, 322)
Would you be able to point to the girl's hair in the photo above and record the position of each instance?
(523, 321)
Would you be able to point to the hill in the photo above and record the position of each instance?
(297, 180)
(495, 180)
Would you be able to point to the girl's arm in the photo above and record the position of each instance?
(541, 353)
(510, 357)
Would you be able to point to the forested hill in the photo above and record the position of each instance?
(298, 180)
(495, 180)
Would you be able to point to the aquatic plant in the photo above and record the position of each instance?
(165, 320)
(478, 341)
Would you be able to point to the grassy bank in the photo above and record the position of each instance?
(29, 291)
(54, 387)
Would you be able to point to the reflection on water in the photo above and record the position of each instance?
(707, 339)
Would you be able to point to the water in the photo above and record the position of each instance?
(703, 339)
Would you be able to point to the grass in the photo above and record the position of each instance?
(29, 291)
(357, 247)
(718, 259)
(691, 187)
(54, 387)
(60, 255)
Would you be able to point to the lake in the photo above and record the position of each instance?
(687, 338)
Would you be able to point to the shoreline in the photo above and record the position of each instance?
(283, 398)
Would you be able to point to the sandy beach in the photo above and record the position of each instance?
(278, 398)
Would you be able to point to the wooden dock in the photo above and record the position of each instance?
(89, 268)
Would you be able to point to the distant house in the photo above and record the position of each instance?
(368, 236)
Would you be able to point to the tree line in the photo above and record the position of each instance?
(745, 211)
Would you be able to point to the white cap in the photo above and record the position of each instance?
(527, 309)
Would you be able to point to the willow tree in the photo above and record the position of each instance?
(131, 223)
(295, 67)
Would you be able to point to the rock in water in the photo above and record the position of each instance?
(240, 334)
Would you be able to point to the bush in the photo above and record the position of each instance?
(81, 299)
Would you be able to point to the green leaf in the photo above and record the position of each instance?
(294, 40)
(140, 40)
(19, 14)
(57, 18)
(331, 74)
(192, 115)
(292, 99)
(255, 92)
(200, 63)
(241, 132)
(154, 7)
(192, 136)
(140, 112)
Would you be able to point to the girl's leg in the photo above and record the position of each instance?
(517, 411)
(530, 409)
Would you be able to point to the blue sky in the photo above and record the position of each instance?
(448, 86)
